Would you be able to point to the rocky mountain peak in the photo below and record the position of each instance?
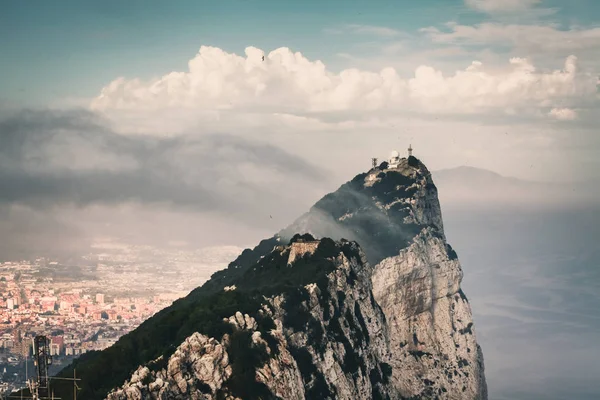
(382, 209)
(357, 299)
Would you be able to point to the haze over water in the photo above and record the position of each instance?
(533, 280)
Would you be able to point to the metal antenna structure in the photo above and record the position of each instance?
(374, 161)
(41, 360)
(74, 379)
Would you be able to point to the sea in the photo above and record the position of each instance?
(532, 276)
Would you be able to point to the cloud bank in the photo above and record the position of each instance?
(49, 158)
(287, 83)
(67, 177)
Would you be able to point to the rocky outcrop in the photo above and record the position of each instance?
(327, 342)
(300, 249)
(376, 314)
(196, 370)
(339, 345)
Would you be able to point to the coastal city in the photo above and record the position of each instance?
(88, 303)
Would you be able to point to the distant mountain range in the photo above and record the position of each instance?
(470, 185)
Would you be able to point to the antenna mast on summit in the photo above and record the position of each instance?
(410, 149)
(374, 161)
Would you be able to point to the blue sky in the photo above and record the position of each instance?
(72, 48)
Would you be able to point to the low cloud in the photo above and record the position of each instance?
(50, 158)
(563, 114)
(66, 177)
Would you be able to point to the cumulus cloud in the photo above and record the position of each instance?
(494, 6)
(563, 114)
(219, 84)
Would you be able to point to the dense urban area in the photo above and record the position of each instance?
(89, 302)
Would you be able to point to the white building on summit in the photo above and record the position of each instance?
(394, 160)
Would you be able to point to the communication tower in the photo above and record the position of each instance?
(39, 387)
(41, 361)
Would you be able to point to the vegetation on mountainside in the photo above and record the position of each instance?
(245, 356)
(342, 324)
(413, 161)
(102, 371)
(204, 312)
(381, 232)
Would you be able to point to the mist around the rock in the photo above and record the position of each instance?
(72, 177)
(64, 229)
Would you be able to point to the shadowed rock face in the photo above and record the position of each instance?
(379, 317)
(382, 210)
(328, 341)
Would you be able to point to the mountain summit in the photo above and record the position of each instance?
(358, 299)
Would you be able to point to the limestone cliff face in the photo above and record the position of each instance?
(429, 322)
(380, 318)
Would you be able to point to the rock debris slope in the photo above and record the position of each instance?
(358, 299)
